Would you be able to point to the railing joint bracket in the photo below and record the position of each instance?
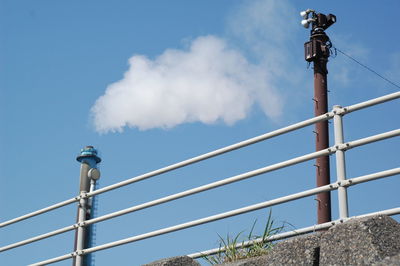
(342, 147)
(345, 183)
(80, 252)
(81, 224)
(338, 110)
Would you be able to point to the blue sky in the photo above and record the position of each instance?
(151, 83)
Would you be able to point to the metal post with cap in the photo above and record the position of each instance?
(317, 50)
(88, 175)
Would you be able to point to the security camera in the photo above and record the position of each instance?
(325, 21)
(330, 20)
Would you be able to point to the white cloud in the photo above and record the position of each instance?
(209, 82)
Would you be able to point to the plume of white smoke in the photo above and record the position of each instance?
(209, 82)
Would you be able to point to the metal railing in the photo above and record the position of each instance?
(341, 185)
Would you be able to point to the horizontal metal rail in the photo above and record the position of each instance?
(370, 177)
(169, 168)
(209, 186)
(248, 142)
(39, 237)
(379, 100)
(305, 230)
(214, 153)
(243, 176)
(388, 212)
(211, 154)
(41, 211)
(213, 185)
(194, 223)
(224, 215)
(363, 141)
(173, 197)
(296, 232)
(269, 239)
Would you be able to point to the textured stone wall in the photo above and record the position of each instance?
(368, 241)
(175, 261)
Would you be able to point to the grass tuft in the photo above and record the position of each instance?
(229, 250)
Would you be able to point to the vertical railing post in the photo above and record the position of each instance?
(81, 232)
(340, 161)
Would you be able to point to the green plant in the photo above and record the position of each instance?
(230, 249)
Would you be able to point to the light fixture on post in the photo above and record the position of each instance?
(306, 12)
(306, 21)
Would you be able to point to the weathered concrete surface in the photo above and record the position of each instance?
(175, 261)
(392, 261)
(360, 242)
(302, 250)
(373, 240)
(368, 241)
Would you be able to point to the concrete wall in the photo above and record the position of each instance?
(368, 241)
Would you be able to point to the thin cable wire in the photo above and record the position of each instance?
(366, 67)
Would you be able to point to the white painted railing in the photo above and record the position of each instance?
(341, 185)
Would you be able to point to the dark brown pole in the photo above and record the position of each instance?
(317, 50)
(322, 138)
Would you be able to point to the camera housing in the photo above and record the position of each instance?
(324, 21)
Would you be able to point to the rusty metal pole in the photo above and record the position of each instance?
(322, 138)
(317, 50)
